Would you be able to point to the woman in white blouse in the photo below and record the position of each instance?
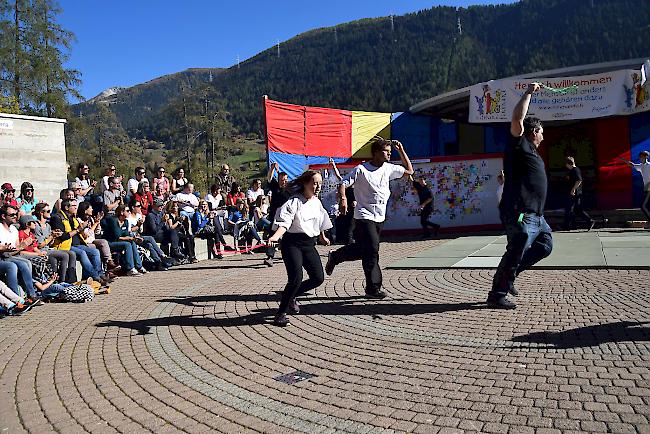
(300, 222)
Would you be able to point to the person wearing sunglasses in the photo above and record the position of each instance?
(26, 200)
(63, 261)
(12, 265)
(134, 182)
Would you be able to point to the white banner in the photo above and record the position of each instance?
(588, 96)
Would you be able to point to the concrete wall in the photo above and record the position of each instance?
(33, 149)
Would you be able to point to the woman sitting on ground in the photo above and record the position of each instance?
(178, 181)
(120, 240)
(234, 195)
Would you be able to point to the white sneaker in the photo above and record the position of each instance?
(133, 272)
(142, 270)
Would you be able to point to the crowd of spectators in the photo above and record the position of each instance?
(113, 229)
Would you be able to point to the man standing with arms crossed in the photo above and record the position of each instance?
(371, 186)
(522, 204)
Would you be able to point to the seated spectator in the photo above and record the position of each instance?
(12, 265)
(26, 200)
(224, 179)
(234, 195)
(160, 180)
(85, 213)
(144, 196)
(215, 198)
(187, 201)
(120, 240)
(111, 170)
(62, 261)
(66, 193)
(9, 195)
(160, 194)
(253, 194)
(175, 221)
(261, 214)
(36, 256)
(136, 221)
(11, 303)
(114, 196)
(71, 229)
(134, 182)
(243, 227)
(155, 226)
(179, 181)
(76, 188)
(86, 185)
(206, 226)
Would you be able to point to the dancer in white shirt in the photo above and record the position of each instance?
(300, 222)
(371, 190)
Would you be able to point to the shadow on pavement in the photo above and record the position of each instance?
(375, 310)
(590, 336)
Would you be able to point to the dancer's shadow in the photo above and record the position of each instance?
(204, 300)
(262, 316)
(590, 336)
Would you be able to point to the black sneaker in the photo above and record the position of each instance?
(376, 295)
(281, 320)
(268, 262)
(514, 291)
(294, 307)
(329, 267)
(500, 302)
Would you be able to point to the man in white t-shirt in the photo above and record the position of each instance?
(132, 185)
(643, 167)
(187, 201)
(371, 189)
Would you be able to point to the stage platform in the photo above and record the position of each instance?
(603, 249)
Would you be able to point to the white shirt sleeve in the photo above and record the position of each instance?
(287, 212)
(350, 178)
(397, 172)
(326, 222)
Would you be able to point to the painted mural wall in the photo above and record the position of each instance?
(464, 190)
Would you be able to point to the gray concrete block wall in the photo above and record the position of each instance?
(33, 149)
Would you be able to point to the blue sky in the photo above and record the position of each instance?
(123, 43)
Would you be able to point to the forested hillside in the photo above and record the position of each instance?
(384, 65)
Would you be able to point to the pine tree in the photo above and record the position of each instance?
(33, 49)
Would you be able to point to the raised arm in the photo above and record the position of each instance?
(336, 169)
(405, 158)
(272, 169)
(519, 113)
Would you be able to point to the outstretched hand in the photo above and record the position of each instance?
(533, 87)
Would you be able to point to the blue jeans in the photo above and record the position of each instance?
(149, 243)
(528, 243)
(91, 261)
(9, 268)
(130, 255)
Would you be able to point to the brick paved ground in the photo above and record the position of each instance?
(194, 351)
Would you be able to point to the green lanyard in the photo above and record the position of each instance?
(560, 90)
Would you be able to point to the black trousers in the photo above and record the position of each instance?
(298, 252)
(424, 218)
(366, 248)
(574, 209)
(167, 236)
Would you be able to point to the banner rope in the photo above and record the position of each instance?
(559, 90)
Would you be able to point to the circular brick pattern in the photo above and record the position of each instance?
(195, 351)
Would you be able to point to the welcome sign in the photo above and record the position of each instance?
(620, 92)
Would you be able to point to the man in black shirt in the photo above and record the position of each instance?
(426, 206)
(522, 204)
(279, 195)
(573, 206)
